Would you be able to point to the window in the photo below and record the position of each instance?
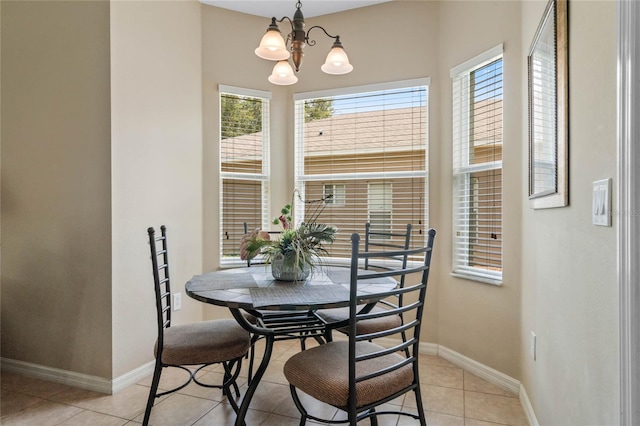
(334, 195)
(244, 166)
(477, 168)
(380, 205)
(368, 147)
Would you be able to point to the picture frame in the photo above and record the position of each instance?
(548, 104)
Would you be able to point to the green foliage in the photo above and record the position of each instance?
(299, 246)
(241, 116)
(318, 108)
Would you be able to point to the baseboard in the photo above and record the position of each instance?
(492, 376)
(487, 373)
(56, 375)
(132, 377)
(102, 385)
(527, 407)
(428, 348)
(480, 370)
(77, 380)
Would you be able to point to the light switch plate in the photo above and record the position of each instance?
(601, 204)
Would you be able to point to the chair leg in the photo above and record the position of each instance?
(229, 381)
(252, 355)
(373, 419)
(328, 334)
(299, 406)
(423, 420)
(157, 372)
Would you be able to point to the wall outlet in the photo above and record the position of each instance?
(177, 301)
(532, 346)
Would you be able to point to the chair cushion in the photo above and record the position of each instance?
(323, 373)
(204, 342)
(372, 325)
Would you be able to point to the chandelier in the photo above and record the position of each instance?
(274, 48)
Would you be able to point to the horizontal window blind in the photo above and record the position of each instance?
(370, 148)
(544, 119)
(244, 167)
(477, 168)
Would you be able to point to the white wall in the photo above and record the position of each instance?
(156, 111)
(570, 292)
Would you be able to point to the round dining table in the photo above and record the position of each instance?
(251, 293)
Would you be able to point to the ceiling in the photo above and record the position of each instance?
(280, 8)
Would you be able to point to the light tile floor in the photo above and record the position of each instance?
(451, 396)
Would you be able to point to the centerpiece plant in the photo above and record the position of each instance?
(298, 250)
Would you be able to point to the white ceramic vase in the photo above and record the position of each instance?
(283, 272)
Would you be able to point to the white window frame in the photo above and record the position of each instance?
(463, 170)
(300, 176)
(263, 177)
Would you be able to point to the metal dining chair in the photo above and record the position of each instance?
(381, 242)
(197, 344)
(360, 374)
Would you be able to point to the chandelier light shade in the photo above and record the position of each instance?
(283, 74)
(273, 47)
(337, 60)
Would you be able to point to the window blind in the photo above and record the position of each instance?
(369, 145)
(244, 166)
(477, 167)
(543, 95)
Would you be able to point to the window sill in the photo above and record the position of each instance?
(484, 280)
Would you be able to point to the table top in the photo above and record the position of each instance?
(255, 288)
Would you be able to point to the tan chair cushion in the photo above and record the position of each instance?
(372, 325)
(204, 342)
(323, 373)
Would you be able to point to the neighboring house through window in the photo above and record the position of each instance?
(244, 166)
(334, 194)
(366, 146)
(477, 167)
(380, 207)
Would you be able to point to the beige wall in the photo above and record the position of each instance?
(479, 320)
(78, 296)
(570, 291)
(56, 206)
(156, 91)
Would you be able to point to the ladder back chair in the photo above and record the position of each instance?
(197, 344)
(358, 375)
(381, 242)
